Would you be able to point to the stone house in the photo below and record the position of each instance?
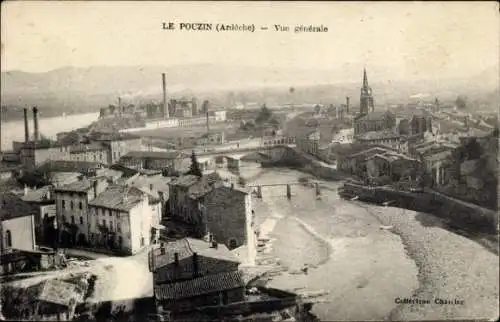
(51, 300)
(228, 218)
(17, 223)
(212, 207)
(309, 142)
(44, 204)
(72, 208)
(192, 273)
(182, 205)
(211, 139)
(153, 160)
(124, 219)
(92, 152)
(118, 145)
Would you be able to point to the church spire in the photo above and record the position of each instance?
(365, 78)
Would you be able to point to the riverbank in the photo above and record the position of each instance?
(451, 267)
(378, 255)
(347, 255)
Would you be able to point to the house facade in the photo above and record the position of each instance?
(153, 160)
(122, 218)
(44, 205)
(17, 223)
(72, 209)
(309, 143)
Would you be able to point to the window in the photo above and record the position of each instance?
(64, 218)
(142, 241)
(104, 223)
(81, 220)
(72, 219)
(63, 203)
(9, 238)
(71, 205)
(80, 205)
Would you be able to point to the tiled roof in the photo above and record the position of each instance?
(118, 197)
(185, 181)
(206, 184)
(409, 112)
(69, 166)
(81, 185)
(152, 155)
(59, 292)
(370, 151)
(113, 136)
(12, 206)
(374, 135)
(377, 115)
(159, 182)
(127, 172)
(200, 286)
(186, 247)
(39, 195)
(86, 147)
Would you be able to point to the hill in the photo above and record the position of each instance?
(71, 89)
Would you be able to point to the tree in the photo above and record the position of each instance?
(461, 102)
(194, 169)
(265, 115)
(317, 109)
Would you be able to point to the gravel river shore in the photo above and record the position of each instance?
(370, 258)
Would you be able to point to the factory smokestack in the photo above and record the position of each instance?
(164, 88)
(347, 98)
(26, 126)
(35, 124)
(120, 108)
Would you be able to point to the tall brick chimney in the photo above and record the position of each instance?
(347, 98)
(120, 107)
(35, 124)
(164, 88)
(26, 126)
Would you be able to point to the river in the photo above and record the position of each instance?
(49, 127)
(368, 257)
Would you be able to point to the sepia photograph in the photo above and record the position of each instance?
(260, 161)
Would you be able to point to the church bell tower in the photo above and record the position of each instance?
(366, 97)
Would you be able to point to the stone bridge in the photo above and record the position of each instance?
(288, 186)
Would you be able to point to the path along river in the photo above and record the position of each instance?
(365, 268)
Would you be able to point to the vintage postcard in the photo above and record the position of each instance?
(249, 161)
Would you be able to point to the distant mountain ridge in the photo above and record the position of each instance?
(71, 88)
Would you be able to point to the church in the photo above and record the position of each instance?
(404, 122)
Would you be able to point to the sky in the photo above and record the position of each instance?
(437, 39)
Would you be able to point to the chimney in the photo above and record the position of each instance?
(162, 249)
(150, 186)
(120, 106)
(94, 184)
(176, 259)
(164, 88)
(232, 185)
(214, 244)
(195, 264)
(26, 126)
(35, 124)
(347, 98)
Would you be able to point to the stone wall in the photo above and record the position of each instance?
(227, 216)
(457, 213)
